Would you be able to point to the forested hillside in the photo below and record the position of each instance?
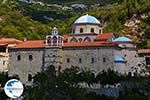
(103, 2)
(14, 24)
(35, 19)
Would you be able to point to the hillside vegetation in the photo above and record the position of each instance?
(103, 2)
(123, 17)
(15, 24)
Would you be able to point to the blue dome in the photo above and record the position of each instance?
(123, 39)
(119, 58)
(87, 19)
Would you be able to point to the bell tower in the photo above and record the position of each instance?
(54, 40)
(53, 50)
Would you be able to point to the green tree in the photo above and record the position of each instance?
(109, 77)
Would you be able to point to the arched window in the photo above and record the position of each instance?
(54, 40)
(80, 60)
(30, 58)
(92, 30)
(59, 68)
(87, 39)
(129, 74)
(92, 60)
(29, 77)
(104, 60)
(100, 31)
(73, 31)
(68, 60)
(49, 40)
(147, 60)
(73, 40)
(18, 57)
(81, 30)
(80, 39)
(59, 40)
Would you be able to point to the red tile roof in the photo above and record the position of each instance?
(9, 40)
(4, 44)
(31, 44)
(65, 37)
(89, 44)
(104, 36)
(144, 51)
(40, 44)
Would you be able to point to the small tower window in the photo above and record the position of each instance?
(68, 60)
(54, 40)
(54, 31)
(30, 58)
(81, 30)
(18, 57)
(92, 30)
(80, 60)
(49, 40)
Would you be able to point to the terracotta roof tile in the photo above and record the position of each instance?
(65, 37)
(89, 44)
(144, 51)
(31, 44)
(9, 40)
(4, 44)
(104, 36)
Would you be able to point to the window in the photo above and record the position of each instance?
(29, 77)
(80, 39)
(81, 30)
(73, 40)
(100, 31)
(129, 74)
(18, 57)
(4, 63)
(73, 30)
(49, 40)
(54, 40)
(59, 68)
(104, 60)
(92, 60)
(147, 60)
(30, 58)
(68, 60)
(87, 39)
(80, 60)
(92, 30)
(2, 49)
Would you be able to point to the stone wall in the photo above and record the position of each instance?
(130, 55)
(52, 56)
(103, 58)
(25, 65)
